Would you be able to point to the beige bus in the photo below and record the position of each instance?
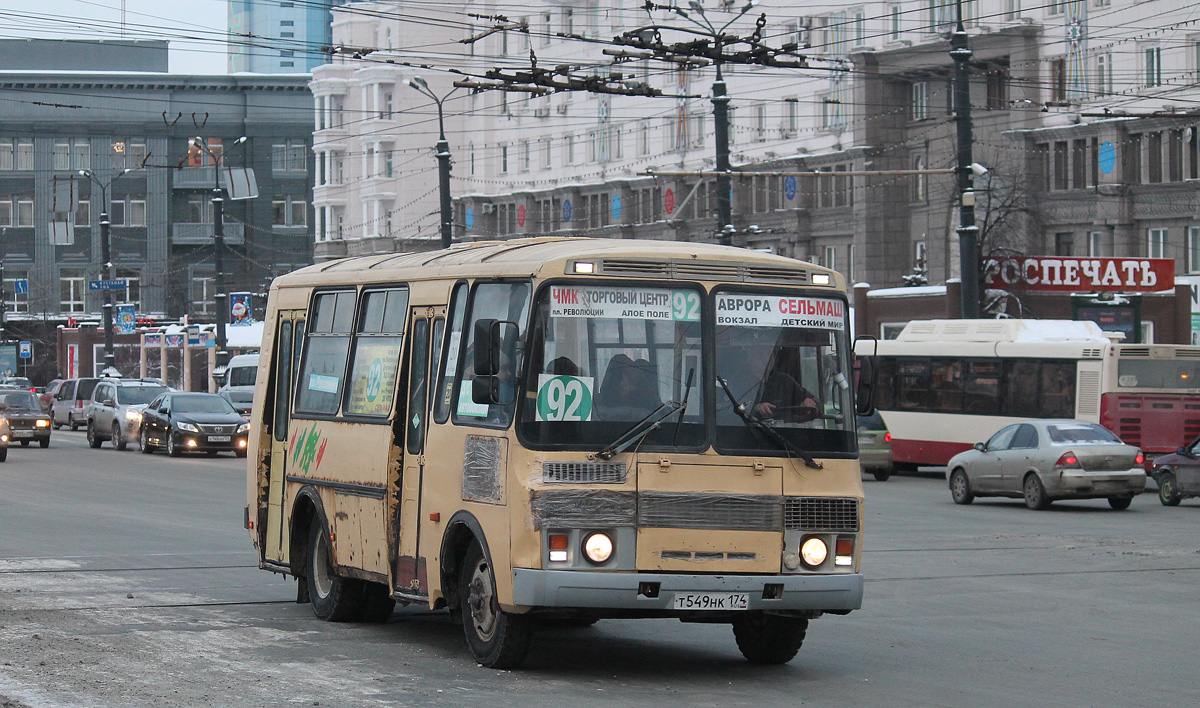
(562, 430)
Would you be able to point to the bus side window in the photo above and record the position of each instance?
(1020, 387)
(448, 371)
(323, 366)
(946, 385)
(1058, 389)
(885, 392)
(506, 302)
(912, 384)
(981, 386)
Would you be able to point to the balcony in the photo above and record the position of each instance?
(194, 178)
(185, 234)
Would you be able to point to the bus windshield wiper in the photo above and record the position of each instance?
(640, 429)
(757, 425)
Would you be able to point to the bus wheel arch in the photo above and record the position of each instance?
(461, 531)
(306, 510)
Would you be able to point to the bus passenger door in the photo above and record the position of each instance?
(425, 327)
(289, 334)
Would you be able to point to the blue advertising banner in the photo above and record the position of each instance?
(126, 319)
(239, 309)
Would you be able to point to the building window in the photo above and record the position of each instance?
(504, 159)
(919, 101)
(1156, 243)
(1064, 244)
(6, 211)
(919, 180)
(525, 155)
(1061, 176)
(547, 153)
(997, 89)
(289, 156)
(895, 12)
(1012, 9)
(1104, 73)
(1095, 244)
(830, 258)
(24, 212)
(60, 155)
(287, 210)
(569, 158)
(133, 287)
(83, 213)
(1193, 249)
(137, 212)
(204, 291)
(1056, 7)
(71, 291)
(388, 163)
(14, 301)
(1153, 66)
(791, 117)
(644, 137)
(25, 154)
(386, 111)
(1058, 80)
(1154, 165)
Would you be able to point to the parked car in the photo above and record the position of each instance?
(17, 382)
(26, 421)
(186, 422)
(1045, 460)
(238, 388)
(46, 397)
(115, 411)
(874, 446)
(1178, 474)
(70, 403)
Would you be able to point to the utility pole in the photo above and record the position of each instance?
(106, 265)
(968, 231)
(218, 202)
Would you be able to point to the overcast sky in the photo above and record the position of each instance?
(195, 28)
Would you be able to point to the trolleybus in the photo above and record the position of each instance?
(946, 384)
(566, 430)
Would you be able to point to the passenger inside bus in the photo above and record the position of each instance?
(629, 390)
(563, 366)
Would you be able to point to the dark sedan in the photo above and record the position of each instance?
(192, 422)
(1178, 474)
(25, 417)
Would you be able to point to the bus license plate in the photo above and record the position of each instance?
(218, 438)
(711, 601)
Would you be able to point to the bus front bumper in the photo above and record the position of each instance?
(656, 591)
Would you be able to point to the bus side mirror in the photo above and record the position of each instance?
(487, 347)
(868, 377)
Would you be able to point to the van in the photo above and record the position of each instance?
(238, 388)
(69, 405)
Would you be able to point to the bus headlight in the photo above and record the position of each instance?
(598, 548)
(813, 552)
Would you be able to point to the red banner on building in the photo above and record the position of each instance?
(1080, 275)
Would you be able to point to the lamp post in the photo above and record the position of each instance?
(720, 101)
(218, 201)
(443, 157)
(108, 272)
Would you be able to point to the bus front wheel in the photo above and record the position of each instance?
(769, 639)
(497, 639)
(333, 598)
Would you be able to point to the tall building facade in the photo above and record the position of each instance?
(1081, 113)
(135, 134)
(279, 37)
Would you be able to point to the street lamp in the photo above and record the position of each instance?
(218, 202)
(720, 102)
(443, 156)
(110, 358)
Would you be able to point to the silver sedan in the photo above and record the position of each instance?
(1045, 460)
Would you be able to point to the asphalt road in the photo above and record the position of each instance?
(127, 580)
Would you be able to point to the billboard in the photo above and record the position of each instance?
(1080, 275)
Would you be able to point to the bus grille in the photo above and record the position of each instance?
(674, 510)
(583, 472)
(821, 514)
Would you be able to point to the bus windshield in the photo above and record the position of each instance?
(604, 358)
(784, 359)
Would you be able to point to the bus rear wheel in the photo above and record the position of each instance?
(333, 598)
(769, 639)
(497, 639)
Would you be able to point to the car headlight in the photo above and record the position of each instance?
(133, 415)
(598, 548)
(244, 428)
(42, 423)
(187, 427)
(813, 552)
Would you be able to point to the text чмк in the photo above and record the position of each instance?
(575, 296)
